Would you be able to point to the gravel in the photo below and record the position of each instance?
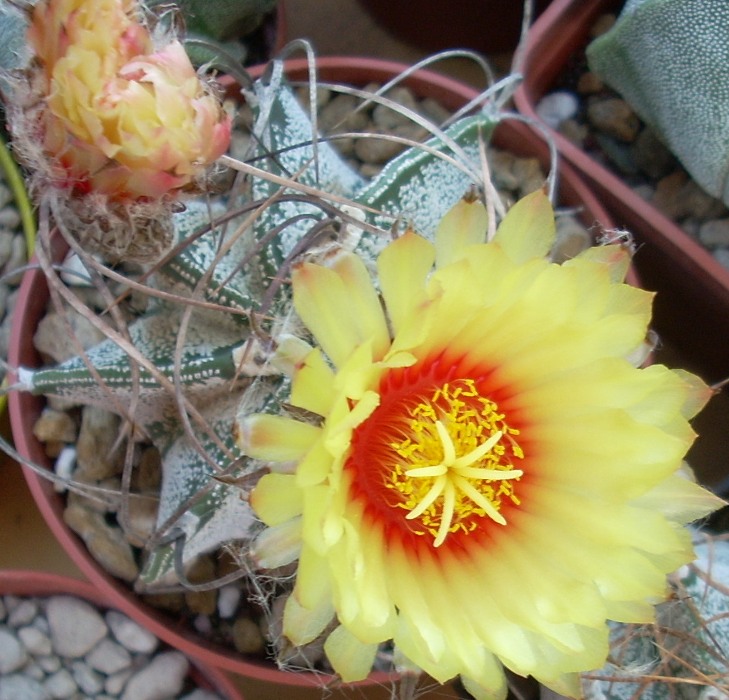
(62, 647)
(607, 128)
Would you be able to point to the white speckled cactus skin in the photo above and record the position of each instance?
(685, 655)
(670, 60)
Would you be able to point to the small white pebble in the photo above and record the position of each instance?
(557, 107)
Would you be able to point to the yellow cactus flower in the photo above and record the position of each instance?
(122, 118)
(486, 477)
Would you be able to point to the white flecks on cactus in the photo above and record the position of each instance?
(689, 640)
(668, 59)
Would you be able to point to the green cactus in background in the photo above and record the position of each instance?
(668, 59)
(685, 654)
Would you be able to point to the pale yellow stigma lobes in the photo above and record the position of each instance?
(454, 468)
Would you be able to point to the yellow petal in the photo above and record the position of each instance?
(276, 498)
(313, 587)
(312, 388)
(303, 625)
(464, 225)
(681, 500)
(363, 301)
(403, 268)
(615, 258)
(480, 692)
(275, 438)
(340, 307)
(528, 230)
(277, 546)
(350, 658)
(290, 352)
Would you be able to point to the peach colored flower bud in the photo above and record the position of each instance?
(113, 124)
(122, 118)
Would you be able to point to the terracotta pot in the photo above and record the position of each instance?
(24, 408)
(692, 305)
(40, 584)
(488, 26)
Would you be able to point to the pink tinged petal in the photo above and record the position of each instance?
(313, 385)
(303, 625)
(322, 301)
(403, 268)
(276, 498)
(697, 393)
(528, 230)
(463, 226)
(364, 303)
(351, 659)
(291, 351)
(615, 258)
(275, 438)
(277, 546)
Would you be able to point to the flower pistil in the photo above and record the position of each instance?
(452, 468)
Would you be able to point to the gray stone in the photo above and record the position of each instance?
(715, 233)
(97, 453)
(374, 150)
(34, 670)
(55, 426)
(228, 600)
(13, 655)
(89, 681)
(18, 259)
(23, 613)
(75, 625)
(17, 686)
(162, 678)
(722, 257)
(6, 246)
(109, 657)
(106, 543)
(387, 119)
(247, 637)
(556, 107)
(115, 683)
(35, 641)
(50, 663)
(142, 519)
(572, 238)
(61, 685)
(52, 335)
(200, 694)
(615, 117)
(10, 218)
(339, 115)
(132, 636)
(651, 156)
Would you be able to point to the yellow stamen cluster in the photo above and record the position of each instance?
(453, 468)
